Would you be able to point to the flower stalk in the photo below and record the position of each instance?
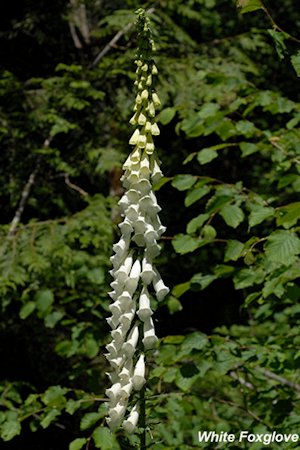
(137, 283)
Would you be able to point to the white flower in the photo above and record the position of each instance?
(144, 311)
(130, 345)
(150, 339)
(131, 422)
(135, 137)
(138, 379)
(147, 271)
(116, 413)
(160, 288)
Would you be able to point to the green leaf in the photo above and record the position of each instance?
(202, 280)
(183, 244)
(194, 341)
(49, 417)
(183, 182)
(282, 247)
(173, 304)
(234, 250)
(91, 347)
(11, 427)
(208, 232)
(206, 155)
(247, 277)
(53, 318)
(104, 439)
(196, 194)
(166, 115)
(54, 396)
(26, 310)
(196, 223)
(288, 215)
(248, 148)
(180, 289)
(249, 5)
(260, 213)
(44, 299)
(278, 38)
(232, 215)
(295, 60)
(77, 444)
(89, 419)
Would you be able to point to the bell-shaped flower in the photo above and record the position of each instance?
(127, 371)
(116, 413)
(149, 339)
(134, 276)
(135, 137)
(138, 379)
(130, 345)
(147, 271)
(126, 391)
(144, 311)
(127, 318)
(114, 392)
(130, 423)
(160, 288)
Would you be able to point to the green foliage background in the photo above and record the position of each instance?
(229, 353)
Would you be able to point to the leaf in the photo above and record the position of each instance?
(44, 299)
(104, 439)
(260, 213)
(249, 5)
(247, 277)
(183, 182)
(196, 194)
(77, 444)
(206, 155)
(247, 148)
(278, 38)
(183, 244)
(52, 319)
(11, 427)
(202, 280)
(282, 247)
(295, 60)
(180, 289)
(232, 215)
(196, 223)
(173, 304)
(89, 419)
(234, 250)
(26, 310)
(49, 417)
(288, 215)
(166, 115)
(194, 341)
(91, 347)
(54, 396)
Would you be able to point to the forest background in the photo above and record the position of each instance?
(229, 351)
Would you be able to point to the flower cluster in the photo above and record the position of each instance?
(136, 281)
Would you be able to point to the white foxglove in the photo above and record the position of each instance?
(136, 281)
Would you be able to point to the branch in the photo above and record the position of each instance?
(25, 193)
(278, 378)
(74, 186)
(115, 39)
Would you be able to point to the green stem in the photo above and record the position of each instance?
(143, 418)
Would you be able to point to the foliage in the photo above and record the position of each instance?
(229, 146)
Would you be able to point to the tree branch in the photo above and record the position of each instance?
(115, 39)
(25, 194)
